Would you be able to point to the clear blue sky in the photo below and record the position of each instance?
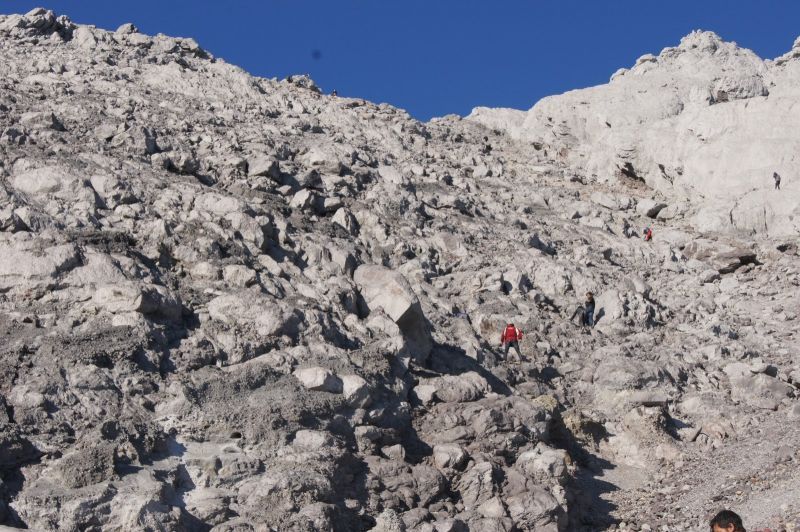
(434, 57)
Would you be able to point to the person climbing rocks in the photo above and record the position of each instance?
(588, 310)
(510, 338)
(726, 521)
(777, 179)
(334, 92)
(648, 234)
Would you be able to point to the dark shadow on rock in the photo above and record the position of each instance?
(599, 315)
(588, 510)
(452, 360)
(545, 374)
(181, 486)
(416, 449)
(16, 451)
(350, 478)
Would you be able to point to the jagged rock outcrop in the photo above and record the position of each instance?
(705, 121)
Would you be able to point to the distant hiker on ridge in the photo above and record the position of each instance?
(510, 338)
(648, 234)
(777, 179)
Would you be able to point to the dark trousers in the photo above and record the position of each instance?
(588, 318)
(509, 345)
(777, 185)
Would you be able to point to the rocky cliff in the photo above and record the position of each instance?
(231, 303)
(704, 124)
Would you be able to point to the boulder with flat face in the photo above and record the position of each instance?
(650, 208)
(390, 292)
(22, 266)
(725, 258)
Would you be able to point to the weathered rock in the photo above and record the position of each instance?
(261, 165)
(756, 388)
(390, 292)
(449, 456)
(535, 509)
(724, 258)
(319, 379)
(356, 390)
(22, 266)
(466, 387)
(649, 208)
(133, 297)
(266, 317)
(478, 485)
(191, 342)
(544, 463)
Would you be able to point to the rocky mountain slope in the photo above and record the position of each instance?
(705, 124)
(232, 303)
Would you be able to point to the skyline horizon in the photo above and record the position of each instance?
(329, 61)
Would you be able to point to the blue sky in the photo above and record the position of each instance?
(434, 57)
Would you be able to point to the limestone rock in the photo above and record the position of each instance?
(319, 379)
(234, 303)
(723, 257)
(649, 208)
(390, 292)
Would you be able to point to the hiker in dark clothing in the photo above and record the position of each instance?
(726, 521)
(588, 310)
(777, 179)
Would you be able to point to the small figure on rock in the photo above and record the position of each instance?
(777, 179)
(510, 338)
(586, 311)
(487, 148)
(334, 92)
(726, 521)
(648, 234)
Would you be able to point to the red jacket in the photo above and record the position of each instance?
(510, 334)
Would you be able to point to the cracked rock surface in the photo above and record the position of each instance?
(231, 303)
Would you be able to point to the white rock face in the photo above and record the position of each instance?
(231, 303)
(706, 121)
(390, 291)
(319, 379)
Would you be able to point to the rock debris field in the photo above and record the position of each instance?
(235, 304)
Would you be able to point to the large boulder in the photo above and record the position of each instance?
(610, 307)
(649, 208)
(390, 292)
(754, 385)
(22, 265)
(266, 316)
(147, 299)
(723, 257)
(469, 386)
(319, 379)
(56, 183)
(535, 509)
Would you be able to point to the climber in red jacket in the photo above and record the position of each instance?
(510, 338)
